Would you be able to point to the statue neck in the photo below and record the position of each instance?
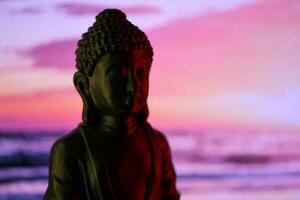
(111, 124)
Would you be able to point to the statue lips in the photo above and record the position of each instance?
(129, 101)
(132, 102)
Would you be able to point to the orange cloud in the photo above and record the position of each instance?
(56, 109)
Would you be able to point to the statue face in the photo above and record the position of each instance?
(120, 82)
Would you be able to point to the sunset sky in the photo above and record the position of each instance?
(216, 62)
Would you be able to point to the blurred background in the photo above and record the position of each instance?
(224, 88)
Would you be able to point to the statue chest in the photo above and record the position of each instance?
(129, 166)
(128, 163)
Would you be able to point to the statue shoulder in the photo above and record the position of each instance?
(161, 140)
(69, 143)
(65, 175)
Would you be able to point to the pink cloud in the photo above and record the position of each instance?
(88, 9)
(60, 54)
(235, 51)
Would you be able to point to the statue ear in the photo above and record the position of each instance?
(81, 83)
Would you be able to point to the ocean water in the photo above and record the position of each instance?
(213, 164)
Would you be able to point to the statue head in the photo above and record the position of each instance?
(113, 59)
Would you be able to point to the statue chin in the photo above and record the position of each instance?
(93, 115)
(129, 108)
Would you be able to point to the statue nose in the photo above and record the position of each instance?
(131, 84)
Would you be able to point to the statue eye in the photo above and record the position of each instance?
(110, 73)
(141, 72)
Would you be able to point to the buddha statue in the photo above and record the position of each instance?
(114, 154)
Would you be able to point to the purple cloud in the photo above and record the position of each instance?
(28, 10)
(2, 1)
(140, 10)
(9, 1)
(60, 54)
(78, 9)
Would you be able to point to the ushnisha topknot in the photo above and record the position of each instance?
(110, 32)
